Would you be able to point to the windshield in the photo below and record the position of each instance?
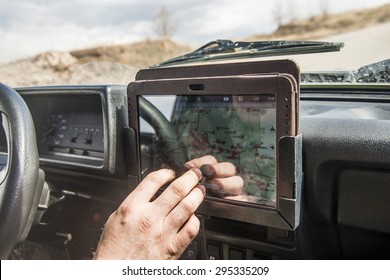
(55, 43)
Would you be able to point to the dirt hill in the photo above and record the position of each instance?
(324, 26)
(140, 54)
(119, 63)
(106, 64)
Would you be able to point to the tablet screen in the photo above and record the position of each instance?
(239, 129)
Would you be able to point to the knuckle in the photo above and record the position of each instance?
(145, 223)
(122, 216)
(160, 235)
(173, 251)
(177, 189)
(155, 177)
(188, 207)
(124, 210)
(193, 227)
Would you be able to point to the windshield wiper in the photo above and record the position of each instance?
(221, 49)
(374, 73)
(378, 72)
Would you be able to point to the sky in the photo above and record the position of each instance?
(28, 27)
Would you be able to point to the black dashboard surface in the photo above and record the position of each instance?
(346, 143)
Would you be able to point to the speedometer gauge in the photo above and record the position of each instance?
(54, 130)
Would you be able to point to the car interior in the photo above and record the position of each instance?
(73, 157)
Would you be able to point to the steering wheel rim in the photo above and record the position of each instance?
(164, 131)
(21, 189)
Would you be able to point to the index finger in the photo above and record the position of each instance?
(178, 190)
(198, 162)
(218, 170)
(148, 187)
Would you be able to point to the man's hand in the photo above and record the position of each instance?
(143, 228)
(220, 177)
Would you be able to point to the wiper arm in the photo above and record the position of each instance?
(220, 49)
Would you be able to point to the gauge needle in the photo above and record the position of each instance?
(50, 132)
(74, 139)
(88, 140)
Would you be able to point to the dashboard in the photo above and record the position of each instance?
(81, 136)
(70, 129)
(77, 127)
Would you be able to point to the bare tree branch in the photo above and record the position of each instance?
(292, 10)
(324, 7)
(278, 13)
(164, 25)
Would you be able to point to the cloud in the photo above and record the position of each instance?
(232, 17)
(31, 26)
(38, 26)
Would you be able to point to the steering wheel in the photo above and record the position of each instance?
(165, 132)
(21, 189)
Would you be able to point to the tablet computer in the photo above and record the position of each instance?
(235, 119)
(286, 67)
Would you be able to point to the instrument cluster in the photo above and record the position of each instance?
(68, 129)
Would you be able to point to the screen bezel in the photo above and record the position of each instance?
(282, 86)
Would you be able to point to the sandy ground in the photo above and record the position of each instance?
(362, 47)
